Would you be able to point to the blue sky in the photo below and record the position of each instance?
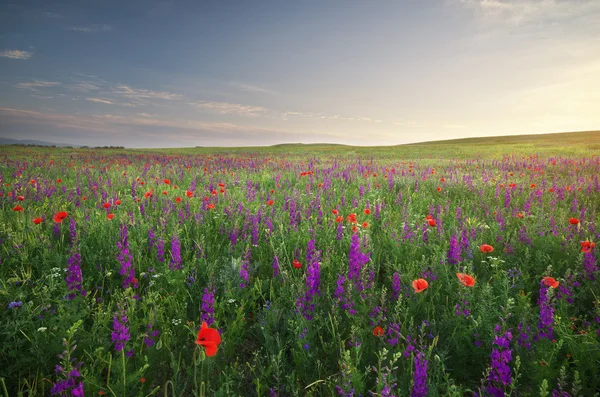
(231, 73)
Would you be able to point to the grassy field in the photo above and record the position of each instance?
(451, 268)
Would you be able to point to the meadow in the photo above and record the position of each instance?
(460, 268)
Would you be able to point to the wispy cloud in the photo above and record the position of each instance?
(98, 100)
(138, 94)
(323, 116)
(231, 108)
(16, 54)
(34, 85)
(91, 28)
(83, 87)
(252, 88)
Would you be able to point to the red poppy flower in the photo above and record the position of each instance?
(37, 221)
(214, 192)
(18, 208)
(297, 264)
(222, 190)
(442, 179)
(60, 216)
(211, 206)
(377, 331)
(367, 211)
(339, 219)
(550, 190)
(428, 217)
(486, 248)
(551, 282)
(420, 285)
(354, 229)
(365, 225)
(221, 185)
(335, 212)
(270, 202)
(587, 246)
(533, 185)
(465, 279)
(573, 221)
(164, 192)
(20, 198)
(59, 180)
(166, 181)
(84, 198)
(431, 222)
(148, 194)
(118, 202)
(178, 199)
(209, 338)
(520, 215)
(110, 216)
(439, 189)
(352, 218)
(106, 205)
(189, 193)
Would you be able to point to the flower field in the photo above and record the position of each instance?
(324, 271)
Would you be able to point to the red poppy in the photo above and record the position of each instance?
(352, 218)
(354, 229)
(587, 246)
(439, 189)
(270, 202)
(365, 225)
(465, 279)
(20, 198)
(221, 185)
(442, 179)
(110, 216)
(222, 190)
(164, 192)
(166, 181)
(551, 190)
(148, 194)
(532, 186)
(420, 285)
(486, 248)
(520, 215)
(178, 199)
(209, 338)
(37, 221)
(377, 331)
(431, 222)
(367, 211)
(339, 219)
(297, 264)
(211, 206)
(18, 208)
(189, 193)
(84, 198)
(59, 180)
(118, 202)
(428, 217)
(335, 212)
(573, 221)
(106, 205)
(550, 282)
(214, 192)
(60, 216)
(143, 380)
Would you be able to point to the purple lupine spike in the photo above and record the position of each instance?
(175, 263)
(207, 311)
(419, 376)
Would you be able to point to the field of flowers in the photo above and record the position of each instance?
(329, 272)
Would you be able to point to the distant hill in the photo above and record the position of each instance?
(9, 141)
(591, 138)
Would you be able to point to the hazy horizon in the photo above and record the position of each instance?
(175, 74)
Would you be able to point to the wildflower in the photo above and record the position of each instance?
(110, 216)
(420, 376)
(60, 216)
(486, 248)
(431, 222)
(210, 206)
(367, 211)
(270, 202)
(209, 338)
(420, 285)
(18, 208)
(118, 202)
(189, 193)
(377, 331)
(178, 199)
(352, 218)
(106, 205)
(15, 305)
(573, 221)
(20, 198)
(297, 264)
(335, 212)
(587, 246)
(120, 334)
(465, 279)
(37, 221)
(207, 311)
(550, 282)
(454, 251)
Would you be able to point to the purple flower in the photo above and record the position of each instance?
(420, 376)
(120, 334)
(244, 269)
(208, 306)
(500, 375)
(545, 323)
(125, 259)
(454, 251)
(15, 305)
(175, 253)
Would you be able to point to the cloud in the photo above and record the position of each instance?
(34, 85)
(52, 15)
(526, 11)
(144, 114)
(91, 28)
(97, 100)
(231, 108)
(137, 94)
(16, 54)
(252, 88)
(83, 87)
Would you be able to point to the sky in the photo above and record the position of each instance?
(179, 73)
